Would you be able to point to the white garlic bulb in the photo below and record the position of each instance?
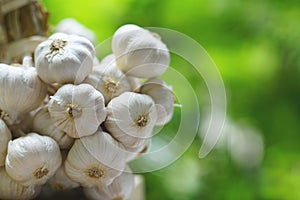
(135, 83)
(121, 188)
(95, 160)
(21, 90)
(5, 137)
(109, 80)
(11, 189)
(139, 52)
(78, 110)
(163, 97)
(32, 159)
(108, 60)
(64, 58)
(60, 181)
(72, 26)
(42, 124)
(130, 119)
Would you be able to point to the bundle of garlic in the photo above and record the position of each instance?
(67, 121)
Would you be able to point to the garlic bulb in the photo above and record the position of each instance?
(72, 26)
(163, 97)
(109, 80)
(139, 52)
(21, 90)
(95, 160)
(121, 188)
(5, 137)
(77, 110)
(11, 189)
(64, 58)
(130, 119)
(32, 159)
(135, 83)
(42, 124)
(60, 181)
(108, 60)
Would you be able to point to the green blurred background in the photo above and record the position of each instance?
(256, 46)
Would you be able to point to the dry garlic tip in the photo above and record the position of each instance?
(32, 159)
(21, 91)
(139, 52)
(5, 137)
(163, 97)
(109, 80)
(130, 119)
(95, 160)
(121, 188)
(78, 110)
(60, 180)
(11, 189)
(42, 124)
(64, 58)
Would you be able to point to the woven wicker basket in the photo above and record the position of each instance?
(23, 27)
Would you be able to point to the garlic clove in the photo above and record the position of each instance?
(42, 124)
(60, 181)
(108, 79)
(130, 119)
(163, 97)
(139, 52)
(11, 189)
(64, 58)
(5, 137)
(121, 188)
(95, 160)
(77, 110)
(32, 159)
(21, 91)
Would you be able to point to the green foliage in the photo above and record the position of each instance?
(256, 45)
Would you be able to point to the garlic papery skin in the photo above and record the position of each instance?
(72, 26)
(5, 137)
(11, 189)
(32, 159)
(64, 58)
(95, 160)
(60, 181)
(135, 83)
(163, 97)
(21, 90)
(120, 189)
(78, 110)
(109, 80)
(42, 124)
(130, 119)
(139, 52)
(108, 60)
